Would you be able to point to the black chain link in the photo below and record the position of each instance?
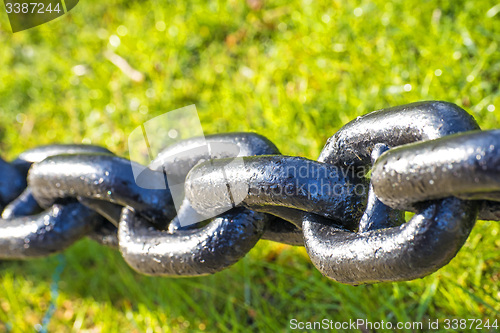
(430, 158)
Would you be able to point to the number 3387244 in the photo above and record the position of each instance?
(31, 8)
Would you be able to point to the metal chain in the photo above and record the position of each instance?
(430, 158)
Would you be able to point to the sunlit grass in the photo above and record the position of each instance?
(292, 71)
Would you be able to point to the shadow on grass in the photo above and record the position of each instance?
(270, 286)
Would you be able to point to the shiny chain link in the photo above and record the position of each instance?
(347, 208)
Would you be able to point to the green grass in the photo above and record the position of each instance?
(292, 71)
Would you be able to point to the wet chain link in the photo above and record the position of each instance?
(430, 158)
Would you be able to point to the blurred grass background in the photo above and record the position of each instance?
(294, 71)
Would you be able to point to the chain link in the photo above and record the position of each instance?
(430, 158)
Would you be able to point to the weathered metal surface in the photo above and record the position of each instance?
(24, 161)
(206, 250)
(195, 250)
(24, 205)
(280, 181)
(377, 215)
(46, 233)
(416, 249)
(177, 159)
(236, 197)
(399, 252)
(465, 165)
(99, 176)
(12, 183)
(352, 145)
